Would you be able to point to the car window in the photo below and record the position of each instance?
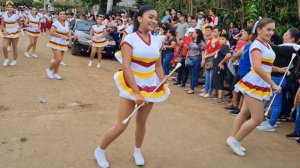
(84, 25)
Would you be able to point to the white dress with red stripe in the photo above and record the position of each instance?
(143, 60)
(252, 84)
(33, 29)
(11, 25)
(99, 39)
(56, 42)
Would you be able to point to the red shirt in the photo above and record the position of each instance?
(212, 47)
(213, 19)
(186, 41)
(240, 44)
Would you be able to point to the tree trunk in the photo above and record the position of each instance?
(299, 9)
(109, 6)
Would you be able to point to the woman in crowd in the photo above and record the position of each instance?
(168, 49)
(194, 56)
(211, 48)
(183, 71)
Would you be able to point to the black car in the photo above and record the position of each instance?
(81, 28)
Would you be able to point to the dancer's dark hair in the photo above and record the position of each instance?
(140, 13)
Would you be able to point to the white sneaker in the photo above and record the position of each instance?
(243, 148)
(13, 63)
(206, 95)
(235, 146)
(98, 65)
(49, 73)
(27, 54)
(90, 63)
(57, 77)
(34, 55)
(202, 94)
(62, 63)
(5, 63)
(265, 126)
(100, 157)
(138, 157)
(52, 60)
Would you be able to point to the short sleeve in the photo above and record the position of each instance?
(17, 17)
(128, 41)
(226, 49)
(55, 24)
(255, 46)
(93, 27)
(202, 44)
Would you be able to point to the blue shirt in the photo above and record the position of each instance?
(165, 18)
(245, 64)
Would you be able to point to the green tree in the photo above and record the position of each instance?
(64, 4)
(285, 13)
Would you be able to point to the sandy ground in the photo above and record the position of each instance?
(185, 131)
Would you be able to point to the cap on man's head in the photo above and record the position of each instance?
(200, 13)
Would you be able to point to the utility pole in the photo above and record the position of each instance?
(109, 5)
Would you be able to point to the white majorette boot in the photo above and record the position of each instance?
(235, 146)
(100, 157)
(138, 157)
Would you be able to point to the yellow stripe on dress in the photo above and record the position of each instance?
(127, 89)
(253, 91)
(267, 60)
(100, 44)
(14, 35)
(10, 26)
(55, 46)
(253, 71)
(34, 34)
(144, 75)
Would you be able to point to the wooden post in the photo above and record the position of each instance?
(299, 9)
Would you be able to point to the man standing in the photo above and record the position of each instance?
(182, 27)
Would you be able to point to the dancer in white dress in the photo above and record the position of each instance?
(256, 86)
(11, 28)
(98, 40)
(33, 30)
(60, 33)
(141, 74)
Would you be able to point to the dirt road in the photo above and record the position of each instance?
(186, 131)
